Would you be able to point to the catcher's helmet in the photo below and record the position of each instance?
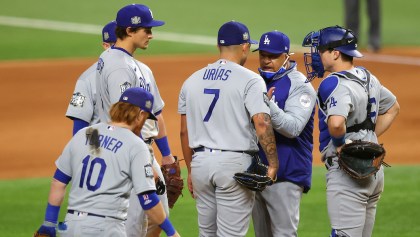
(333, 37)
(340, 39)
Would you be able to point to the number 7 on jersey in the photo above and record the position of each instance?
(216, 93)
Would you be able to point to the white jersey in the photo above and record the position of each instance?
(83, 102)
(219, 102)
(102, 182)
(117, 71)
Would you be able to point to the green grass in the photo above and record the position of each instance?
(22, 205)
(295, 18)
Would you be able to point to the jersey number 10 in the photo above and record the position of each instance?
(94, 162)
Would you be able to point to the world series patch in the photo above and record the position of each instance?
(148, 170)
(78, 99)
(125, 86)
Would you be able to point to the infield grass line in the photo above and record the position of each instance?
(171, 37)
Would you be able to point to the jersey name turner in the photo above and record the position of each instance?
(106, 142)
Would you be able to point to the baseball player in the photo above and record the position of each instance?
(292, 107)
(353, 105)
(105, 161)
(82, 108)
(117, 71)
(223, 113)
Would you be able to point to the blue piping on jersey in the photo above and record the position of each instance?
(157, 113)
(118, 48)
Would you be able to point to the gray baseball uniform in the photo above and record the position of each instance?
(102, 181)
(117, 70)
(339, 95)
(219, 102)
(83, 102)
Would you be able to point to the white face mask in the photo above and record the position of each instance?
(270, 75)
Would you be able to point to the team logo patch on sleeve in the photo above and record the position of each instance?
(148, 170)
(305, 100)
(78, 99)
(125, 86)
(100, 65)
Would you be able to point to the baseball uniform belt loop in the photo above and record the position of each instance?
(202, 148)
(79, 213)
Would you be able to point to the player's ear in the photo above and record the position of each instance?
(336, 54)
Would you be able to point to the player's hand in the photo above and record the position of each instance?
(46, 230)
(169, 159)
(190, 186)
(270, 92)
(272, 173)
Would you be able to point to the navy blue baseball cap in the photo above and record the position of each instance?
(274, 42)
(141, 98)
(136, 15)
(234, 33)
(108, 32)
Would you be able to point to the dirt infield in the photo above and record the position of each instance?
(35, 95)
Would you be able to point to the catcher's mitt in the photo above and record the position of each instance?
(255, 177)
(173, 180)
(361, 159)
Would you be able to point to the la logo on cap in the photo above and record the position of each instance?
(106, 36)
(245, 36)
(266, 40)
(135, 20)
(125, 98)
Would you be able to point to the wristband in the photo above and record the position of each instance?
(167, 227)
(338, 141)
(51, 214)
(163, 145)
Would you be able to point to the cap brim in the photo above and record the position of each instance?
(154, 23)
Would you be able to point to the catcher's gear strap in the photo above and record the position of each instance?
(367, 123)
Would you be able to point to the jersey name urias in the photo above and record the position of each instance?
(219, 102)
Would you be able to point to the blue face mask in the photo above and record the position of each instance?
(268, 75)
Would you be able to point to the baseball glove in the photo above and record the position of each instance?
(255, 177)
(45, 231)
(173, 180)
(361, 159)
